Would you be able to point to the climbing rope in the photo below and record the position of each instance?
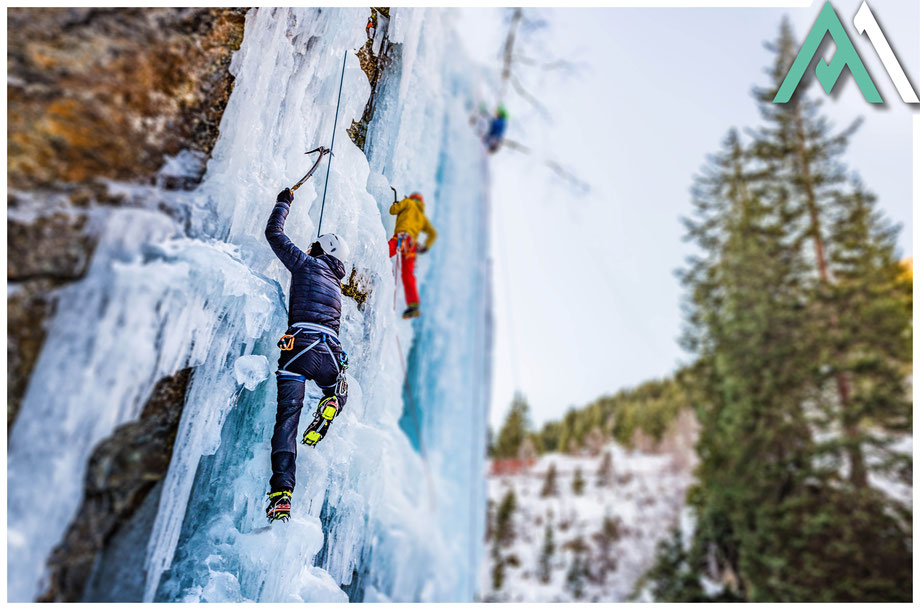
(335, 123)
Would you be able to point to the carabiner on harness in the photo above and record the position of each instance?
(341, 384)
(286, 343)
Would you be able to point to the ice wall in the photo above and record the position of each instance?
(446, 402)
(376, 516)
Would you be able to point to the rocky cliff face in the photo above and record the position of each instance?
(108, 92)
(96, 95)
(122, 471)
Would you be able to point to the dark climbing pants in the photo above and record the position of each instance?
(317, 366)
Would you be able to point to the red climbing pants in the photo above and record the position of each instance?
(406, 246)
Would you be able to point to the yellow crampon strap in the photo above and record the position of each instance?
(283, 492)
(327, 410)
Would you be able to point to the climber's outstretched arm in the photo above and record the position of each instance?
(398, 206)
(290, 255)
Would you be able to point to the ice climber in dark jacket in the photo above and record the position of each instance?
(310, 349)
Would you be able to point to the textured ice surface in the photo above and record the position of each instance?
(251, 370)
(377, 515)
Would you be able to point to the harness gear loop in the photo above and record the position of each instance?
(404, 243)
(325, 336)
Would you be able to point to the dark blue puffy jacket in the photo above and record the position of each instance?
(316, 291)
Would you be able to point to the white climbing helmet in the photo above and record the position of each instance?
(334, 245)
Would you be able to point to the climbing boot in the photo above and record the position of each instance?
(412, 311)
(279, 505)
(326, 411)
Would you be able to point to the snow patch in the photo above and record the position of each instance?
(646, 498)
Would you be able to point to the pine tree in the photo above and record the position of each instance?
(872, 333)
(605, 472)
(514, 429)
(549, 482)
(490, 519)
(568, 437)
(605, 539)
(746, 324)
(798, 313)
(673, 577)
(502, 536)
(578, 482)
(550, 437)
(498, 567)
(504, 519)
(861, 348)
(801, 155)
(545, 567)
(577, 575)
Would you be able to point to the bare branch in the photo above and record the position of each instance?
(527, 61)
(516, 146)
(560, 64)
(567, 175)
(509, 48)
(530, 98)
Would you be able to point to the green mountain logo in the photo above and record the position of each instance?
(846, 56)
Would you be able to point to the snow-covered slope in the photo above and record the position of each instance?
(642, 498)
(376, 514)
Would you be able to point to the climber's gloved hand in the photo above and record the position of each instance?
(287, 196)
(422, 249)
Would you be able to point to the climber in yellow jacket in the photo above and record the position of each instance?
(410, 221)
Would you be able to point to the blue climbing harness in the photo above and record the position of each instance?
(326, 334)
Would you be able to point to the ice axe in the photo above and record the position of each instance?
(395, 198)
(322, 150)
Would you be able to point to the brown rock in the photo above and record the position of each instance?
(109, 92)
(55, 247)
(92, 94)
(122, 470)
(27, 309)
(41, 256)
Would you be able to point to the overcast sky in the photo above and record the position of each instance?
(587, 301)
